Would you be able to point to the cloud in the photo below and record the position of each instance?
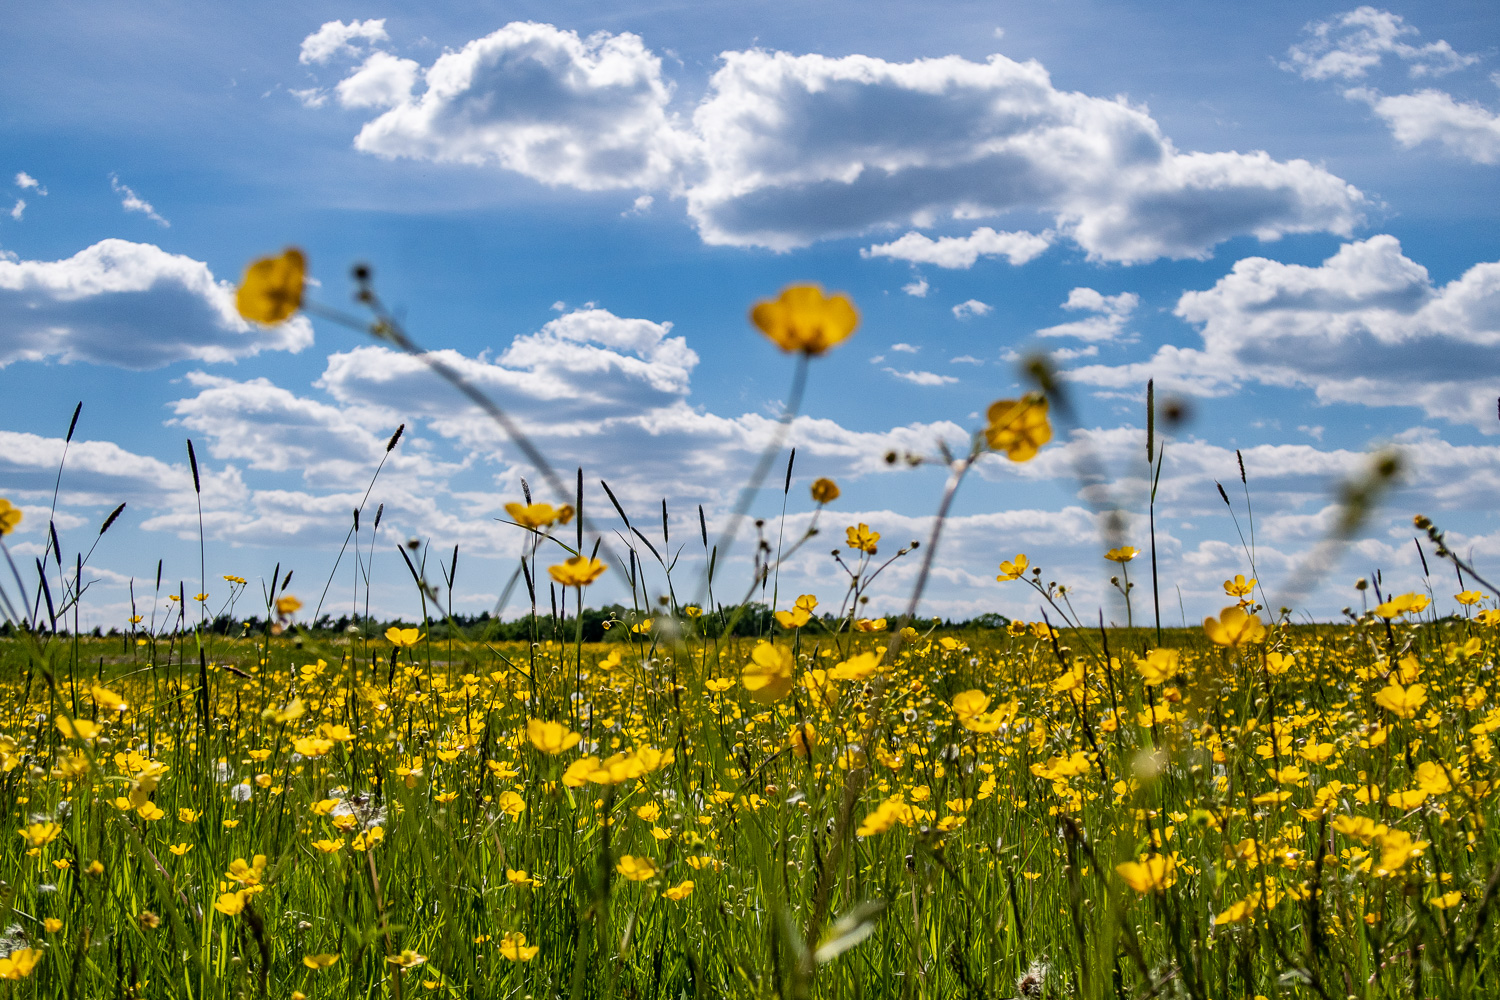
(917, 289)
(1463, 128)
(1111, 314)
(335, 38)
(1351, 44)
(132, 202)
(963, 251)
(1366, 326)
(588, 113)
(922, 378)
(965, 359)
(785, 150)
(382, 81)
(128, 304)
(973, 307)
(905, 348)
(802, 148)
(25, 182)
(271, 429)
(19, 209)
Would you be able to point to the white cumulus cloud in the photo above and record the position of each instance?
(335, 38)
(1463, 128)
(962, 251)
(785, 150)
(973, 307)
(1366, 326)
(589, 113)
(921, 377)
(1350, 44)
(128, 304)
(1111, 313)
(382, 81)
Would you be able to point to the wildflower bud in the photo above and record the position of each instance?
(1422, 521)
(361, 272)
(1361, 584)
(890, 458)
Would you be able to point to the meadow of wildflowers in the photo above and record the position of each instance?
(710, 803)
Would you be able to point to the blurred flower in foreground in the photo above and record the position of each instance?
(550, 737)
(1018, 427)
(1151, 873)
(768, 675)
(538, 515)
(825, 491)
(18, 964)
(636, 869)
(271, 291)
(1234, 628)
(1404, 604)
(804, 319)
(10, 515)
(579, 571)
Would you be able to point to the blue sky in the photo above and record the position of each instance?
(1285, 214)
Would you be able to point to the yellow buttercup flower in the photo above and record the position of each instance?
(1018, 427)
(319, 961)
(862, 539)
(551, 737)
(1239, 586)
(1234, 627)
(1014, 569)
(825, 491)
(802, 738)
(538, 515)
(680, 891)
(636, 869)
(10, 516)
(408, 959)
(804, 319)
(81, 728)
(287, 605)
(271, 291)
(403, 638)
(514, 947)
(1403, 702)
(1403, 604)
(1149, 873)
(1159, 666)
(1123, 554)
(768, 675)
(18, 964)
(41, 834)
(579, 571)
